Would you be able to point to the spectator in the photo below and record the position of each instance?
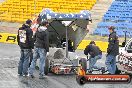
(40, 50)
(25, 41)
(112, 51)
(95, 54)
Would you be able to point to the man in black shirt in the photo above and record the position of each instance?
(41, 48)
(25, 41)
(95, 54)
(112, 51)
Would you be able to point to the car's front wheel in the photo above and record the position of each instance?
(117, 71)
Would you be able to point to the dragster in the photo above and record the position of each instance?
(66, 31)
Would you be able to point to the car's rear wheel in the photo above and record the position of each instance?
(47, 65)
(83, 63)
(81, 80)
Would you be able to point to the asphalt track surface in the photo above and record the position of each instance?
(9, 57)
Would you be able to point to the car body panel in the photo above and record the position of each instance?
(124, 59)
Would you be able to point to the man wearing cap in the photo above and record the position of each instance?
(40, 50)
(25, 41)
(31, 41)
(112, 51)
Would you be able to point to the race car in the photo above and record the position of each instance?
(124, 59)
(66, 31)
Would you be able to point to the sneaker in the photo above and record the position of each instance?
(36, 67)
(41, 77)
(109, 73)
(25, 75)
(32, 76)
(20, 75)
(90, 72)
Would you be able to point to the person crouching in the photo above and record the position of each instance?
(95, 54)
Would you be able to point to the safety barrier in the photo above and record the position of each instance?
(8, 38)
(12, 38)
(102, 45)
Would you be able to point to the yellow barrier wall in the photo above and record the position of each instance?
(8, 38)
(12, 38)
(102, 45)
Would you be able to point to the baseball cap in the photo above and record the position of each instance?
(28, 21)
(92, 42)
(111, 27)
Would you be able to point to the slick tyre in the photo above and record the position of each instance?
(47, 65)
(81, 80)
(83, 63)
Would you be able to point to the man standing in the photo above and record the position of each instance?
(25, 41)
(41, 48)
(95, 54)
(112, 51)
